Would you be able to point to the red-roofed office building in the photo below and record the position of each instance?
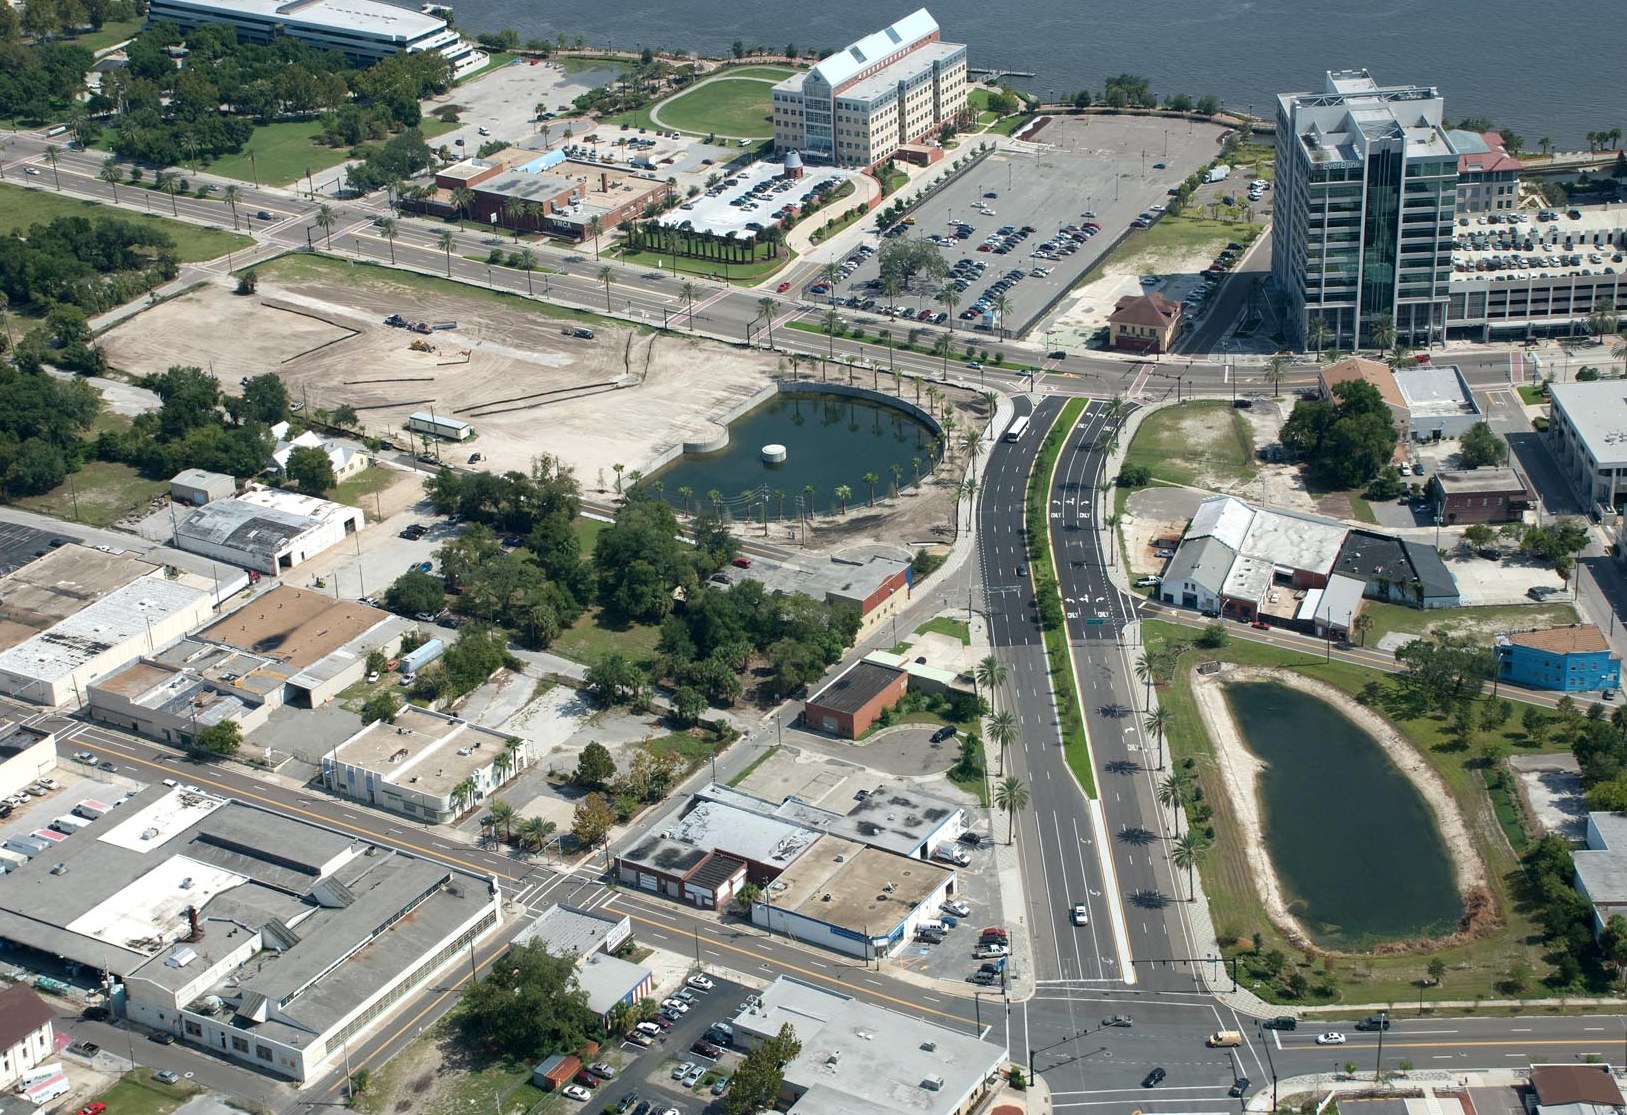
(1145, 323)
(1488, 176)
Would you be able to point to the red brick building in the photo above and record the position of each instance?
(848, 706)
(1144, 323)
(1481, 495)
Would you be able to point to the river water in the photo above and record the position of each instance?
(1355, 846)
(1540, 67)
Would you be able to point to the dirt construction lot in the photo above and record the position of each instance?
(617, 399)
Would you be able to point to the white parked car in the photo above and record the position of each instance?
(991, 952)
(682, 1070)
(958, 908)
(1332, 1037)
(676, 1004)
(701, 983)
(576, 1092)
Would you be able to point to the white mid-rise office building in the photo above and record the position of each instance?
(364, 30)
(860, 105)
(1366, 193)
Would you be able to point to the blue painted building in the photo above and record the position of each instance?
(1574, 659)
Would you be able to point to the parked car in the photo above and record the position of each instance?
(682, 1070)
(943, 733)
(700, 982)
(576, 1092)
(602, 1070)
(958, 908)
(165, 1076)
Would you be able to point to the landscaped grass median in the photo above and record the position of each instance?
(1070, 717)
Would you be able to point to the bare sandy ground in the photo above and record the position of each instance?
(1240, 770)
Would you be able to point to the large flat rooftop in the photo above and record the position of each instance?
(369, 16)
(430, 752)
(294, 625)
(65, 581)
(1435, 392)
(110, 622)
(868, 891)
(1598, 411)
(856, 687)
(753, 836)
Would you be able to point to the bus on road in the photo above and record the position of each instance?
(1018, 427)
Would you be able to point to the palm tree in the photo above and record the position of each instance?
(1317, 333)
(1010, 795)
(686, 493)
(1398, 357)
(527, 261)
(686, 291)
(595, 227)
(829, 323)
(389, 230)
(1274, 369)
(1174, 792)
(464, 793)
(1002, 306)
(990, 674)
(533, 833)
(1003, 733)
(514, 752)
(110, 174)
(1382, 332)
(1604, 318)
(871, 479)
(230, 196)
(607, 277)
(52, 152)
(971, 442)
(968, 492)
(1361, 625)
(325, 220)
(765, 307)
(170, 183)
(808, 491)
(463, 200)
(502, 818)
(843, 492)
(513, 209)
(1185, 854)
(830, 275)
(1155, 721)
(446, 240)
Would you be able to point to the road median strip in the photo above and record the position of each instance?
(1048, 598)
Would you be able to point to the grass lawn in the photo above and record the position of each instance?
(137, 1093)
(469, 1083)
(1012, 124)
(281, 153)
(193, 244)
(497, 59)
(1185, 443)
(1480, 621)
(588, 639)
(99, 494)
(1473, 968)
(1258, 159)
(1183, 233)
(112, 32)
(365, 483)
(696, 746)
(587, 532)
(1532, 394)
(729, 105)
(746, 273)
(944, 625)
(768, 73)
(302, 267)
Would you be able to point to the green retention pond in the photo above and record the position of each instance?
(830, 441)
(1356, 848)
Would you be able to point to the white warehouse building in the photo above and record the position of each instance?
(364, 30)
(267, 530)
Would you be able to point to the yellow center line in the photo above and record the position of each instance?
(807, 972)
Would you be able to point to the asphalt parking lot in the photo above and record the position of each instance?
(977, 886)
(1106, 166)
(20, 544)
(647, 1072)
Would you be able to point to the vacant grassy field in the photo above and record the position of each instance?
(1473, 969)
(99, 494)
(1195, 442)
(139, 1094)
(746, 273)
(590, 638)
(22, 207)
(1482, 622)
(1183, 233)
(944, 625)
(281, 154)
(300, 267)
(359, 488)
(729, 105)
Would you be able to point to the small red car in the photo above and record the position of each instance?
(743, 562)
(94, 1108)
(1260, 625)
(782, 288)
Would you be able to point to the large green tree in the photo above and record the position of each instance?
(528, 1006)
(1347, 441)
(595, 767)
(265, 398)
(1479, 446)
(416, 593)
(312, 469)
(761, 1073)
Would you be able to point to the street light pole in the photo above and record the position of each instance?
(1378, 1062)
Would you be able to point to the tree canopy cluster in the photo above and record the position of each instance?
(528, 1006)
(42, 424)
(761, 1073)
(91, 264)
(38, 81)
(478, 653)
(210, 106)
(197, 426)
(1347, 441)
(1480, 447)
